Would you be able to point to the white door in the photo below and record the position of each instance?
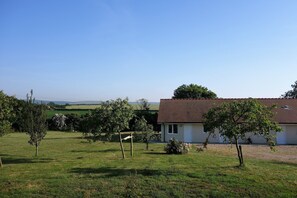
(187, 133)
(281, 138)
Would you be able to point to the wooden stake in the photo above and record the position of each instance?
(121, 144)
(131, 145)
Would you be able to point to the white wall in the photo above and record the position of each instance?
(288, 136)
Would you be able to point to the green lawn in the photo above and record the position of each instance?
(69, 166)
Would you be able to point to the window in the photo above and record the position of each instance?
(172, 128)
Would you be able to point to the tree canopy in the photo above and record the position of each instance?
(112, 117)
(235, 119)
(6, 112)
(193, 91)
(143, 104)
(146, 130)
(291, 93)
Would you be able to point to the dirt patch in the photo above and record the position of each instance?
(284, 153)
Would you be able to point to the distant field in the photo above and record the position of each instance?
(69, 166)
(82, 106)
(135, 106)
(83, 109)
(51, 113)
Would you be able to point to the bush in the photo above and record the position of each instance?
(176, 147)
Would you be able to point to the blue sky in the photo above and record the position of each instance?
(98, 50)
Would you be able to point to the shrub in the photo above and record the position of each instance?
(176, 147)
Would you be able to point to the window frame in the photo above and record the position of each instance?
(172, 129)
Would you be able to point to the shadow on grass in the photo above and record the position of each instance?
(3, 155)
(95, 151)
(284, 163)
(15, 160)
(58, 138)
(156, 153)
(116, 172)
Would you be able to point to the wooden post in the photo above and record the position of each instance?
(121, 144)
(36, 150)
(131, 145)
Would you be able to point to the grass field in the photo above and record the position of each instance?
(51, 113)
(83, 109)
(69, 166)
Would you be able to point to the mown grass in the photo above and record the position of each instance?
(69, 166)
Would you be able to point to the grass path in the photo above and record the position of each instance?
(68, 166)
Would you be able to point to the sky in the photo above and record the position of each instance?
(78, 50)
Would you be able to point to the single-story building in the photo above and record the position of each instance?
(182, 119)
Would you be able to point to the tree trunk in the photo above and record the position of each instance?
(238, 152)
(131, 145)
(1, 165)
(36, 150)
(147, 145)
(121, 144)
(206, 141)
(240, 149)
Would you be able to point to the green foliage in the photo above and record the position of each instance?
(34, 121)
(176, 147)
(6, 113)
(235, 119)
(111, 116)
(73, 122)
(291, 93)
(146, 130)
(193, 91)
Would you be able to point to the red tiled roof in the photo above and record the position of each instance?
(192, 110)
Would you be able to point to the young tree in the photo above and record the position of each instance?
(34, 121)
(237, 118)
(291, 93)
(143, 104)
(193, 91)
(112, 117)
(6, 115)
(145, 129)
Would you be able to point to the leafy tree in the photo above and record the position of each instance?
(60, 121)
(143, 104)
(6, 114)
(34, 121)
(235, 119)
(291, 93)
(193, 91)
(146, 130)
(88, 125)
(18, 107)
(73, 122)
(112, 117)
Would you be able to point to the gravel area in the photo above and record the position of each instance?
(283, 153)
